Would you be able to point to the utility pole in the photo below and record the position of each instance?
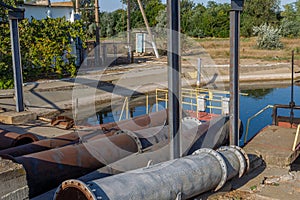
(148, 28)
(236, 8)
(174, 78)
(77, 7)
(129, 55)
(97, 48)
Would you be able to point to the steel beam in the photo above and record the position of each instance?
(14, 17)
(236, 6)
(174, 78)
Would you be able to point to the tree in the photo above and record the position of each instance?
(215, 21)
(151, 8)
(257, 12)
(290, 22)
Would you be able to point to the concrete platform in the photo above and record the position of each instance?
(274, 144)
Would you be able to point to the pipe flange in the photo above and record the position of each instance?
(118, 132)
(242, 151)
(191, 119)
(222, 163)
(189, 123)
(239, 155)
(81, 186)
(136, 139)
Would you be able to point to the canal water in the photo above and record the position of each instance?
(254, 102)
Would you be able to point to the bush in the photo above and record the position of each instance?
(45, 49)
(268, 37)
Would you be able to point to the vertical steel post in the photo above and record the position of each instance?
(129, 54)
(292, 102)
(199, 72)
(236, 8)
(174, 78)
(97, 48)
(14, 16)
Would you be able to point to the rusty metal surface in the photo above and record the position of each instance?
(43, 145)
(62, 122)
(140, 122)
(11, 139)
(47, 169)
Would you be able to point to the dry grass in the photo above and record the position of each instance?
(219, 50)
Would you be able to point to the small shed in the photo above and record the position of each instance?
(43, 9)
(142, 42)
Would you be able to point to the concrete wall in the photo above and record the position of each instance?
(13, 183)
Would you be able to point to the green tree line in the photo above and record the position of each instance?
(211, 20)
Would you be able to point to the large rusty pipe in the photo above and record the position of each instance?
(141, 122)
(210, 135)
(137, 123)
(47, 169)
(47, 144)
(184, 178)
(11, 139)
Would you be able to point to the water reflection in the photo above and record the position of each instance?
(249, 105)
(258, 93)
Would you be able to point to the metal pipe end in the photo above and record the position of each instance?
(25, 138)
(241, 155)
(73, 189)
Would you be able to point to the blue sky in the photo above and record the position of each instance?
(110, 5)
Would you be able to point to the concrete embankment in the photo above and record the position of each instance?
(94, 87)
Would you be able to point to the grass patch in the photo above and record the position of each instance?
(218, 48)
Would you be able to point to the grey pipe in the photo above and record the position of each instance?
(181, 178)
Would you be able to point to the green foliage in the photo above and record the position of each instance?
(290, 24)
(45, 49)
(113, 23)
(216, 20)
(268, 37)
(257, 12)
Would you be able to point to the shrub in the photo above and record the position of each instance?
(268, 37)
